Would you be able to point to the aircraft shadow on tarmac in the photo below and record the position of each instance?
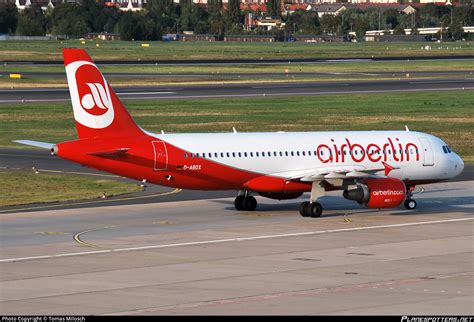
(333, 205)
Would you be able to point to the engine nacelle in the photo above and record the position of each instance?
(378, 193)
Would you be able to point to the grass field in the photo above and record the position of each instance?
(449, 115)
(22, 187)
(122, 50)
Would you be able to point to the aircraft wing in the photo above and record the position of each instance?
(38, 144)
(337, 172)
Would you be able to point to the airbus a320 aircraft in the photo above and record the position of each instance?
(377, 169)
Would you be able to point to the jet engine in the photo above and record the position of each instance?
(378, 193)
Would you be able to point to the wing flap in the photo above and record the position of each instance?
(336, 172)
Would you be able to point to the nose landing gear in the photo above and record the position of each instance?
(409, 202)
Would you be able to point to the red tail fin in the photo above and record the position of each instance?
(97, 109)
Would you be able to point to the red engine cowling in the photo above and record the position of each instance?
(378, 193)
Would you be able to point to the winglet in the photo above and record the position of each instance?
(387, 168)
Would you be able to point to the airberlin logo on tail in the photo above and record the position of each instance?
(90, 95)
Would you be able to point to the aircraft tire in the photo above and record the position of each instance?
(304, 209)
(250, 203)
(239, 202)
(314, 210)
(410, 204)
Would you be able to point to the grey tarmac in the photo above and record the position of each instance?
(293, 89)
(204, 257)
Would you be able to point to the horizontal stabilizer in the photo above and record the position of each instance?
(38, 144)
(111, 153)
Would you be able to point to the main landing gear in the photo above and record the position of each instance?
(245, 202)
(410, 203)
(311, 209)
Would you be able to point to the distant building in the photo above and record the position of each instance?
(126, 5)
(250, 38)
(318, 38)
(270, 23)
(331, 9)
(44, 4)
(289, 9)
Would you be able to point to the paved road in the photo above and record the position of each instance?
(203, 257)
(250, 90)
(252, 61)
(260, 75)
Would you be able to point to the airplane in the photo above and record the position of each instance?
(377, 169)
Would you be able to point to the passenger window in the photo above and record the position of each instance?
(256, 154)
(251, 154)
(185, 155)
(304, 153)
(274, 153)
(215, 154)
(240, 154)
(281, 153)
(286, 153)
(298, 153)
(222, 155)
(228, 155)
(245, 154)
(233, 154)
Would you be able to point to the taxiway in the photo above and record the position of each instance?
(204, 257)
(251, 90)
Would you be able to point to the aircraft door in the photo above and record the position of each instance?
(428, 158)
(161, 156)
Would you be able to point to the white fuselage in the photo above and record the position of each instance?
(414, 155)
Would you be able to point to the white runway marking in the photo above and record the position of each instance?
(145, 93)
(433, 89)
(238, 239)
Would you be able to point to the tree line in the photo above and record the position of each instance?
(159, 17)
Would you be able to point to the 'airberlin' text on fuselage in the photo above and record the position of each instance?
(388, 151)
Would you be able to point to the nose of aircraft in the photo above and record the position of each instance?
(458, 165)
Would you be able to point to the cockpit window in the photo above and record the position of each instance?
(446, 149)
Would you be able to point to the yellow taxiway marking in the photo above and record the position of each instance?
(77, 237)
(50, 233)
(161, 194)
